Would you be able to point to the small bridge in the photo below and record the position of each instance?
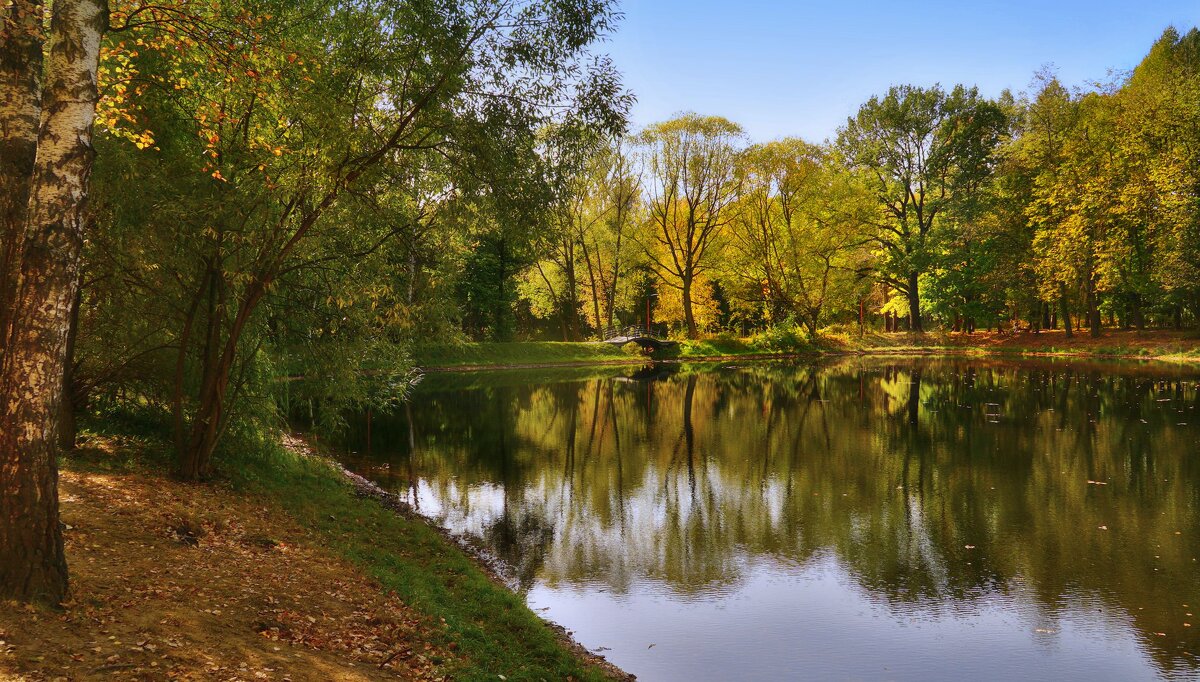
(619, 336)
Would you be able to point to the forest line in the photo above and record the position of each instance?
(932, 208)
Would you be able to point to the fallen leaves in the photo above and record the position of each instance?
(172, 581)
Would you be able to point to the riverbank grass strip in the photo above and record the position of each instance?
(516, 354)
(490, 628)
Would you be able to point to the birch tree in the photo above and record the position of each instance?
(43, 251)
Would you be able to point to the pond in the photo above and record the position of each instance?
(870, 518)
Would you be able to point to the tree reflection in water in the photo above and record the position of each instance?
(937, 483)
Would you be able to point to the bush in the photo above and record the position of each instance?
(785, 336)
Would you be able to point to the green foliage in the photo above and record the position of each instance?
(934, 204)
(799, 248)
(632, 348)
(325, 184)
(334, 191)
(784, 337)
(925, 154)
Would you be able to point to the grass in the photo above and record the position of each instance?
(727, 346)
(1163, 345)
(516, 353)
(486, 624)
(489, 625)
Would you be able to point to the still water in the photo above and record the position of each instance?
(870, 519)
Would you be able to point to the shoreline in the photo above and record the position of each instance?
(1131, 353)
(491, 566)
(290, 568)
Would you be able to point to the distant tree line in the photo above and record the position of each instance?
(1060, 208)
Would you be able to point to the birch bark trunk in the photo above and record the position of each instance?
(20, 109)
(32, 564)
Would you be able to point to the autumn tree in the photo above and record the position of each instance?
(607, 249)
(691, 182)
(798, 229)
(1159, 122)
(918, 148)
(1070, 207)
(586, 250)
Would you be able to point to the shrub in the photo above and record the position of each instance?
(786, 336)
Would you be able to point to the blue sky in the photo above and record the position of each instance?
(800, 68)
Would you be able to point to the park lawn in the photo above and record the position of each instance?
(517, 353)
(1113, 343)
(1179, 346)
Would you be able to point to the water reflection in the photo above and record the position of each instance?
(1041, 511)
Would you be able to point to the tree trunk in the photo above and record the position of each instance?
(32, 563)
(688, 318)
(1139, 315)
(1093, 310)
(914, 397)
(20, 109)
(570, 303)
(1066, 309)
(67, 431)
(914, 304)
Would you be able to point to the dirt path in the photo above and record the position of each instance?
(172, 581)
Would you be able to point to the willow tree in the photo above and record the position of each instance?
(691, 183)
(586, 253)
(43, 242)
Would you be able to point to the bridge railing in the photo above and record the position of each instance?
(616, 331)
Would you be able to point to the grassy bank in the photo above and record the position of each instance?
(278, 570)
(526, 353)
(1182, 346)
(1147, 345)
(491, 628)
(466, 355)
